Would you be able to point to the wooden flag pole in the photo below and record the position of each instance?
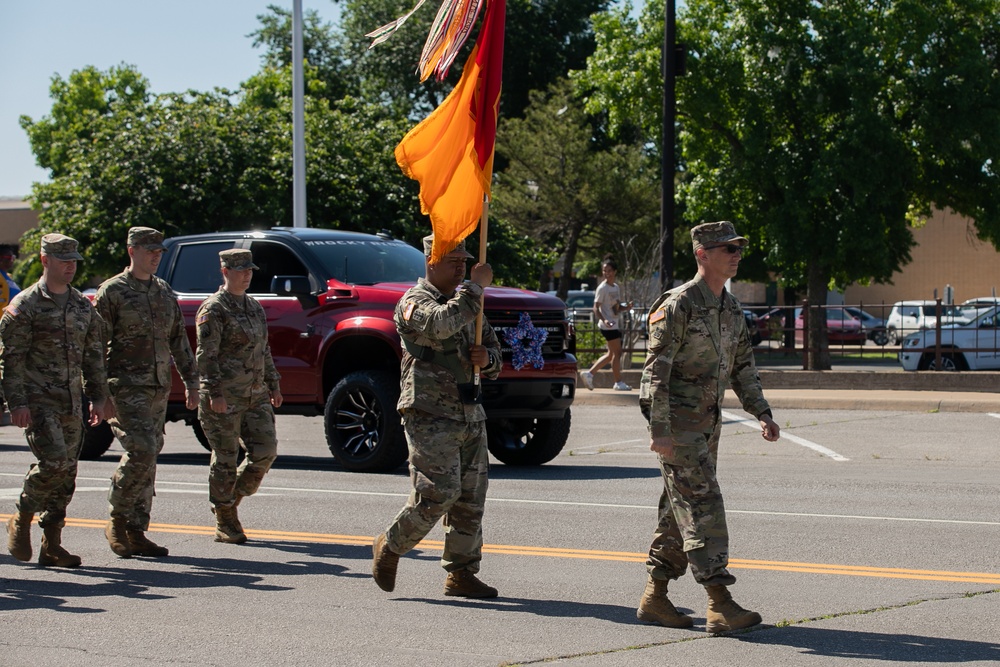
(484, 221)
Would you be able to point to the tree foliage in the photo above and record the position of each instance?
(185, 162)
(562, 191)
(544, 40)
(824, 130)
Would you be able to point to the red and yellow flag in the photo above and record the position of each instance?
(450, 153)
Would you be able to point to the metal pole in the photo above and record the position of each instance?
(669, 66)
(298, 121)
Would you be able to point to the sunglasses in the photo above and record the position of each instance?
(731, 249)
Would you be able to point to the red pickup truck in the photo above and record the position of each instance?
(329, 296)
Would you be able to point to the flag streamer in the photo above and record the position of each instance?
(451, 151)
(449, 32)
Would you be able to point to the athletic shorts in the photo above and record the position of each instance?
(611, 334)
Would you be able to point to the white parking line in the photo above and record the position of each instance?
(788, 436)
(994, 414)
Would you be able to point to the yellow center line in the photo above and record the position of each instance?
(586, 554)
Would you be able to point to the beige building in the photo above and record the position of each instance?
(16, 217)
(947, 252)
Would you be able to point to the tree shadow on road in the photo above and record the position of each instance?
(873, 646)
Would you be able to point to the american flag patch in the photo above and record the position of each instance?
(409, 311)
(657, 316)
(202, 318)
(12, 311)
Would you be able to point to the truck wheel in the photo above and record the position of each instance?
(96, 441)
(527, 442)
(363, 429)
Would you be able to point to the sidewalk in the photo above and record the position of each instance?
(889, 389)
(828, 399)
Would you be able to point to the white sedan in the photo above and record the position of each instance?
(972, 346)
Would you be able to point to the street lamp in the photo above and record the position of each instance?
(671, 65)
(298, 121)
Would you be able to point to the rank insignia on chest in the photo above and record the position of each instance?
(408, 311)
(657, 316)
(202, 319)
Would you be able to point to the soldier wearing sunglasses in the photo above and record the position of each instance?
(698, 343)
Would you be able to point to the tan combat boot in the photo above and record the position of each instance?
(384, 564)
(724, 614)
(52, 552)
(656, 607)
(143, 546)
(19, 535)
(227, 528)
(115, 532)
(464, 584)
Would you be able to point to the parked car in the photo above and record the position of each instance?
(907, 317)
(973, 308)
(841, 327)
(874, 327)
(580, 304)
(970, 346)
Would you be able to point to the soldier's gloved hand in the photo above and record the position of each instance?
(190, 399)
(482, 275)
(276, 398)
(20, 417)
(479, 356)
(219, 405)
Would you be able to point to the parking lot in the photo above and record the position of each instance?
(863, 536)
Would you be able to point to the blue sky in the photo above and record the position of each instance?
(177, 45)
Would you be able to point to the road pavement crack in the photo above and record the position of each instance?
(758, 628)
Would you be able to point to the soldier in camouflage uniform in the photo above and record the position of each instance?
(445, 430)
(698, 343)
(239, 391)
(52, 355)
(144, 328)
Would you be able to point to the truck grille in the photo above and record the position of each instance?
(551, 321)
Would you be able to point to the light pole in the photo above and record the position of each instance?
(298, 121)
(669, 66)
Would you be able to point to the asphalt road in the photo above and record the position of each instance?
(863, 538)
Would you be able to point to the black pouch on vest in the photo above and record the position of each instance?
(470, 393)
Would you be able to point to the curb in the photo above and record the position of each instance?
(830, 399)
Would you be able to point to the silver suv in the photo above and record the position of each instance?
(909, 317)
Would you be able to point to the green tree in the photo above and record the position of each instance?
(544, 39)
(823, 129)
(563, 192)
(321, 45)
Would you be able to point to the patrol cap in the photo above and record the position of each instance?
(146, 237)
(716, 233)
(60, 246)
(459, 250)
(236, 259)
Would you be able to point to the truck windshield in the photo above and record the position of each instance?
(367, 262)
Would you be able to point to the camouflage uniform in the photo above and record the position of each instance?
(144, 328)
(697, 344)
(52, 355)
(449, 460)
(234, 360)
